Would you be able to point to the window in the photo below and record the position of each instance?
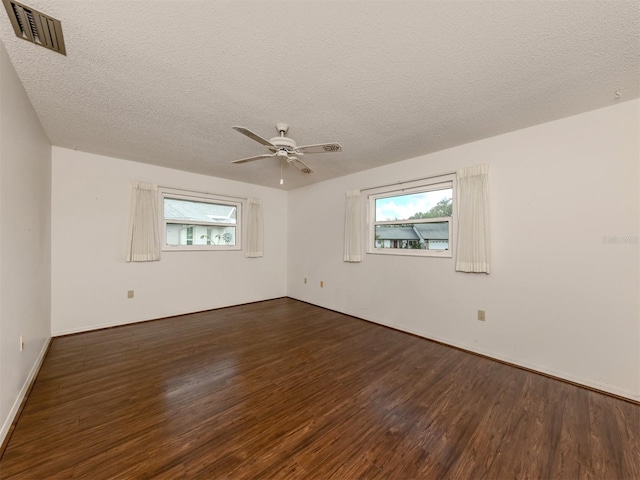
(414, 220)
(194, 221)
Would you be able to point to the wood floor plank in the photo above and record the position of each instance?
(283, 389)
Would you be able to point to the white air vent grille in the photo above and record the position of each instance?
(35, 26)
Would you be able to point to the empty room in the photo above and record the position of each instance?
(320, 239)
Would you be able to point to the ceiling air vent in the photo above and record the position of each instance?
(35, 26)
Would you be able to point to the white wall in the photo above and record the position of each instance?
(25, 248)
(558, 300)
(90, 277)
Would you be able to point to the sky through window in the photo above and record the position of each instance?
(402, 207)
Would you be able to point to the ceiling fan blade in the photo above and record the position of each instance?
(253, 136)
(320, 148)
(251, 159)
(300, 165)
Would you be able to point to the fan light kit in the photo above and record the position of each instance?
(286, 149)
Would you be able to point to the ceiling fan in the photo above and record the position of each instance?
(285, 148)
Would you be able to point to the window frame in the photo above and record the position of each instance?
(443, 182)
(200, 198)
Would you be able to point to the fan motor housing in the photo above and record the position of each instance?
(283, 142)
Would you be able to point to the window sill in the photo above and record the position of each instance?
(412, 253)
(201, 248)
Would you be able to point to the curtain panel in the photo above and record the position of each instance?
(473, 220)
(353, 227)
(144, 235)
(255, 228)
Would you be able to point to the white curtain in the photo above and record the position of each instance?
(353, 227)
(144, 238)
(255, 228)
(473, 220)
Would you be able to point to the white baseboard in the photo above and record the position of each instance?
(588, 383)
(55, 332)
(635, 396)
(23, 391)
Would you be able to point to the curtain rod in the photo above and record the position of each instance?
(408, 181)
(202, 193)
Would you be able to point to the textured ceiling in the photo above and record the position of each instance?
(162, 82)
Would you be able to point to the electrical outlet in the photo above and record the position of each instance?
(321, 284)
(21, 343)
(481, 315)
(129, 293)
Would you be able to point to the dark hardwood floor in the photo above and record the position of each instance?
(283, 389)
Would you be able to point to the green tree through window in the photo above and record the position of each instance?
(443, 208)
